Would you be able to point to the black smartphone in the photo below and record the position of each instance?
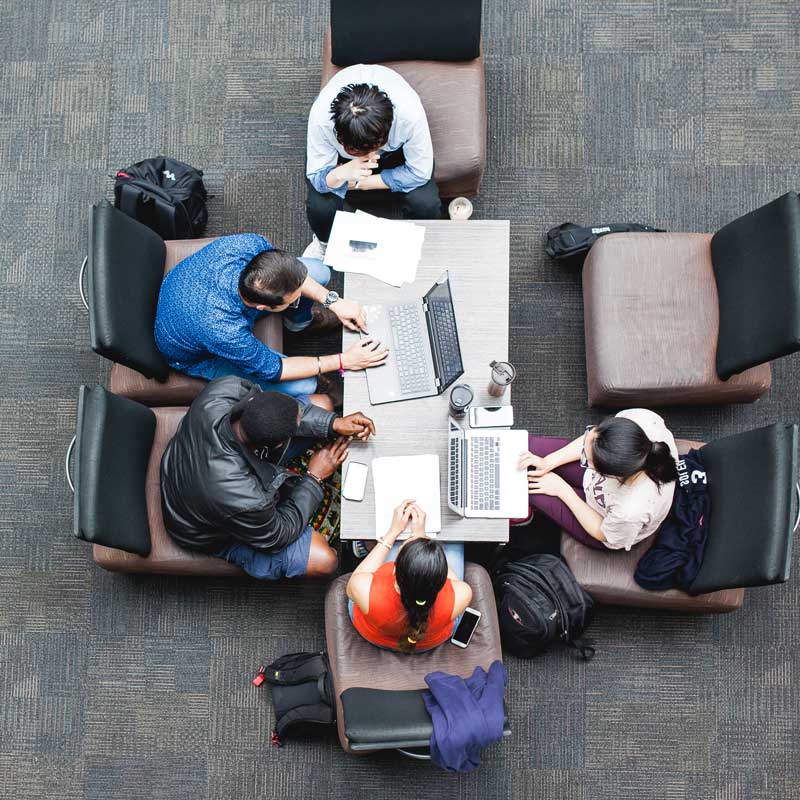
(463, 633)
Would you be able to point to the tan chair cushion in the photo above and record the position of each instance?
(180, 389)
(356, 662)
(651, 317)
(454, 97)
(166, 557)
(607, 575)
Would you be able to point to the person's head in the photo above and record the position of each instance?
(269, 419)
(619, 448)
(272, 280)
(362, 116)
(420, 572)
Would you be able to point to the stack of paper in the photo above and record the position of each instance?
(389, 250)
(401, 478)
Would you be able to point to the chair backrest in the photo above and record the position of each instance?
(757, 268)
(114, 437)
(370, 33)
(126, 267)
(751, 482)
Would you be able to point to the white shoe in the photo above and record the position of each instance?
(315, 250)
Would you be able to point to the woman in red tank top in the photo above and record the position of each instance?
(409, 604)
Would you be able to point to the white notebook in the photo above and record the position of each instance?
(398, 478)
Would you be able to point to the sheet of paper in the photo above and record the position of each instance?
(398, 478)
(388, 250)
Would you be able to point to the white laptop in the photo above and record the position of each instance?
(484, 478)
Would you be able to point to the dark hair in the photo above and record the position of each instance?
(621, 449)
(269, 418)
(420, 572)
(270, 277)
(362, 117)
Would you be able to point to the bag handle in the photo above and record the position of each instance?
(129, 199)
(415, 756)
(81, 275)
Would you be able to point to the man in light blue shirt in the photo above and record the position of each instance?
(367, 131)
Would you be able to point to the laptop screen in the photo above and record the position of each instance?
(445, 346)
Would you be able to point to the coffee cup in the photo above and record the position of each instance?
(503, 375)
(461, 396)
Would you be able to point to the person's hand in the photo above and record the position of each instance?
(549, 484)
(364, 353)
(400, 519)
(536, 464)
(357, 169)
(327, 460)
(358, 425)
(418, 517)
(351, 314)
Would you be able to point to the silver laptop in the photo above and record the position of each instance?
(484, 479)
(424, 351)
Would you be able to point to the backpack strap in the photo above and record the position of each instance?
(289, 670)
(129, 198)
(165, 212)
(318, 713)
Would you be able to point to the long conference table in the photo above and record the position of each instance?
(476, 253)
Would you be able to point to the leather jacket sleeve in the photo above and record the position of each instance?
(316, 422)
(276, 525)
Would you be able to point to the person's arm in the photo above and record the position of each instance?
(362, 354)
(555, 486)
(360, 581)
(321, 155)
(350, 313)
(543, 464)
(418, 152)
(463, 596)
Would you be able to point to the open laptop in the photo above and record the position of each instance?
(424, 351)
(483, 475)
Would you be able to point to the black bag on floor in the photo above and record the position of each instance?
(567, 240)
(302, 692)
(166, 195)
(539, 604)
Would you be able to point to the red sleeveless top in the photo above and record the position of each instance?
(387, 620)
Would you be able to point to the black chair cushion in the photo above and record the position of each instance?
(751, 481)
(757, 268)
(377, 719)
(126, 267)
(114, 437)
(372, 33)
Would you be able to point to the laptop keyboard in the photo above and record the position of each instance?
(409, 348)
(484, 456)
(455, 471)
(444, 323)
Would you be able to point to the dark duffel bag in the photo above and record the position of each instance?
(567, 240)
(539, 605)
(166, 195)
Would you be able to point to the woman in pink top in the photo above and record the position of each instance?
(609, 488)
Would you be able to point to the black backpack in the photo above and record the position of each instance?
(164, 194)
(567, 240)
(539, 603)
(302, 692)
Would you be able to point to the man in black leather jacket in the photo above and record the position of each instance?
(224, 493)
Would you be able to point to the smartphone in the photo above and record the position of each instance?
(463, 633)
(491, 416)
(355, 481)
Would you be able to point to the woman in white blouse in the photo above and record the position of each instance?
(609, 488)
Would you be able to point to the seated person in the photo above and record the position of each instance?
(409, 597)
(611, 487)
(225, 493)
(209, 303)
(367, 118)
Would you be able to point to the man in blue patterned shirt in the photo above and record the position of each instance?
(209, 303)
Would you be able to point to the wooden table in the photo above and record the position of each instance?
(476, 254)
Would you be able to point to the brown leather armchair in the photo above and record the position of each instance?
(693, 318)
(126, 264)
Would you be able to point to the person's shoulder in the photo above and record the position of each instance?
(224, 393)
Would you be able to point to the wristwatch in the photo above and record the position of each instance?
(330, 299)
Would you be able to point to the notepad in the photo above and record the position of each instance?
(398, 478)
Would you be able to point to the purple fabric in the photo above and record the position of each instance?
(467, 715)
(552, 507)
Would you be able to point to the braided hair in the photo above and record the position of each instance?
(420, 572)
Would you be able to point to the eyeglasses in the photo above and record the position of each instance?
(295, 303)
(584, 459)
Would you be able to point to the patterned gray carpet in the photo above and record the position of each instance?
(681, 115)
